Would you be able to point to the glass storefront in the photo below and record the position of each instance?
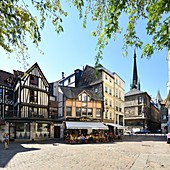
(22, 130)
(42, 130)
(19, 130)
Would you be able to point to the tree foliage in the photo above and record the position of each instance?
(17, 22)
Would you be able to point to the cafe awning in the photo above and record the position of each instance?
(86, 125)
(115, 125)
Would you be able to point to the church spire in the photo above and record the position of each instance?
(135, 74)
(158, 97)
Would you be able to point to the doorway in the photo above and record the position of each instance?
(56, 131)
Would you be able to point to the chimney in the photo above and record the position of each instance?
(63, 75)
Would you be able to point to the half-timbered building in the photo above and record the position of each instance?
(30, 119)
(6, 99)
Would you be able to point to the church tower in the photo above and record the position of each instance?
(135, 83)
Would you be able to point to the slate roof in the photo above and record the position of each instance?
(18, 73)
(90, 77)
(4, 77)
(73, 92)
(133, 92)
(106, 70)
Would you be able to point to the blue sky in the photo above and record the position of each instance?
(75, 48)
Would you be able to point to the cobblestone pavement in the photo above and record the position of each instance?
(133, 152)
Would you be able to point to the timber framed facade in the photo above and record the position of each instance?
(29, 117)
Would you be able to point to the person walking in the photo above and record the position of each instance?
(6, 141)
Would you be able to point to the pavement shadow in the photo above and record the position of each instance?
(14, 148)
(140, 138)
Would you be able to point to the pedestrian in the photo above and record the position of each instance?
(82, 138)
(119, 136)
(111, 136)
(6, 140)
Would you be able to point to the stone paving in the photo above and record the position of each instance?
(133, 152)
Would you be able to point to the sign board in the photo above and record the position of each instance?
(168, 123)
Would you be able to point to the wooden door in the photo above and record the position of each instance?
(56, 131)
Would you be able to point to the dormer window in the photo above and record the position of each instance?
(96, 90)
(84, 97)
(34, 80)
(139, 99)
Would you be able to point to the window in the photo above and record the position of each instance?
(110, 103)
(110, 115)
(106, 115)
(117, 106)
(98, 112)
(106, 102)
(68, 111)
(116, 92)
(89, 113)
(84, 98)
(33, 96)
(139, 110)
(164, 117)
(8, 95)
(110, 91)
(33, 112)
(34, 80)
(139, 99)
(110, 80)
(119, 94)
(106, 89)
(88, 98)
(96, 90)
(1, 92)
(6, 111)
(78, 111)
(79, 97)
(106, 77)
(120, 107)
(84, 112)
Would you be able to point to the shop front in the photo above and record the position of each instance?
(117, 129)
(29, 130)
(85, 132)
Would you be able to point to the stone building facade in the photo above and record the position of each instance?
(140, 111)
